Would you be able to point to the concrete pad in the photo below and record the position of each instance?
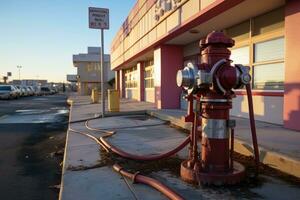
(124, 121)
(94, 184)
(84, 156)
(76, 139)
(148, 141)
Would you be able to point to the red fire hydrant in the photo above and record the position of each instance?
(210, 84)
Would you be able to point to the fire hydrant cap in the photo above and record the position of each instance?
(216, 37)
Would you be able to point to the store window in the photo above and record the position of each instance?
(268, 64)
(260, 45)
(131, 77)
(92, 66)
(269, 50)
(149, 74)
(268, 22)
(269, 76)
(239, 32)
(240, 55)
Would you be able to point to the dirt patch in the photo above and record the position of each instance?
(248, 162)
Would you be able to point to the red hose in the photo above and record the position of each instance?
(143, 158)
(149, 181)
(253, 129)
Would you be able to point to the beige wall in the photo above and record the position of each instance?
(266, 108)
(132, 93)
(93, 75)
(150, 95)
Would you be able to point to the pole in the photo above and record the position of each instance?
(102, 73)
(19, 68)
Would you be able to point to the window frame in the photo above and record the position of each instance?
(149, 66)
(251, 41)
(130, 81)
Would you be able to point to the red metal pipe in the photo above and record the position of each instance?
(140, 157)
(149, 181)
(231, 147)
(195, 137)
(253, 129)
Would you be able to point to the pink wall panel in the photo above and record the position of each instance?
(292, 65)
(167, 94)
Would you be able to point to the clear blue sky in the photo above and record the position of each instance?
(42, 35)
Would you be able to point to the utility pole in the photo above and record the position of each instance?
(19, 67)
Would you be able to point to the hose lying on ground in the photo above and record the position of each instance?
(137, 178)
(143, 157)
(132, 156)
(92, 137)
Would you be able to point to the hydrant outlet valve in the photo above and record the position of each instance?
(187, 78)
(243, 75)
(192, 79)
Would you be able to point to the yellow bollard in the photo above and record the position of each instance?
(95, 96)
(113, 101)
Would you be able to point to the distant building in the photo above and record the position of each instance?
(72, 78)
(30, 82)
(88, 70)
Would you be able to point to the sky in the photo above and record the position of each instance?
(42, 35)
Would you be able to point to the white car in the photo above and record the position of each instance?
(8, 92)
(19, 93)
(30, 90)
(37, 90)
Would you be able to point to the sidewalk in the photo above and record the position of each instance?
(279, 147)
(87, 171)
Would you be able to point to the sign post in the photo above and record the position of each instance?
(99, 19)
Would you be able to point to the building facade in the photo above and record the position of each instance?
(30, 82)
(88, 71)
(160, 36)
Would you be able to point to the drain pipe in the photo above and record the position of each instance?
(253, 128)
(137, 178)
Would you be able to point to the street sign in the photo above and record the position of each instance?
(8, 73)
(98, 18)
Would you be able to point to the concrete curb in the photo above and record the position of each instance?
(273, 159)
(70, 103)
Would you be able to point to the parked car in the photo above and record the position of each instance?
(8, 92)
(45, 90)
(30, 90)
(37, 90)
(20, 90)
(25, 91)
(19, 93)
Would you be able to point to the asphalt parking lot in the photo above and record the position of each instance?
(32, 138)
